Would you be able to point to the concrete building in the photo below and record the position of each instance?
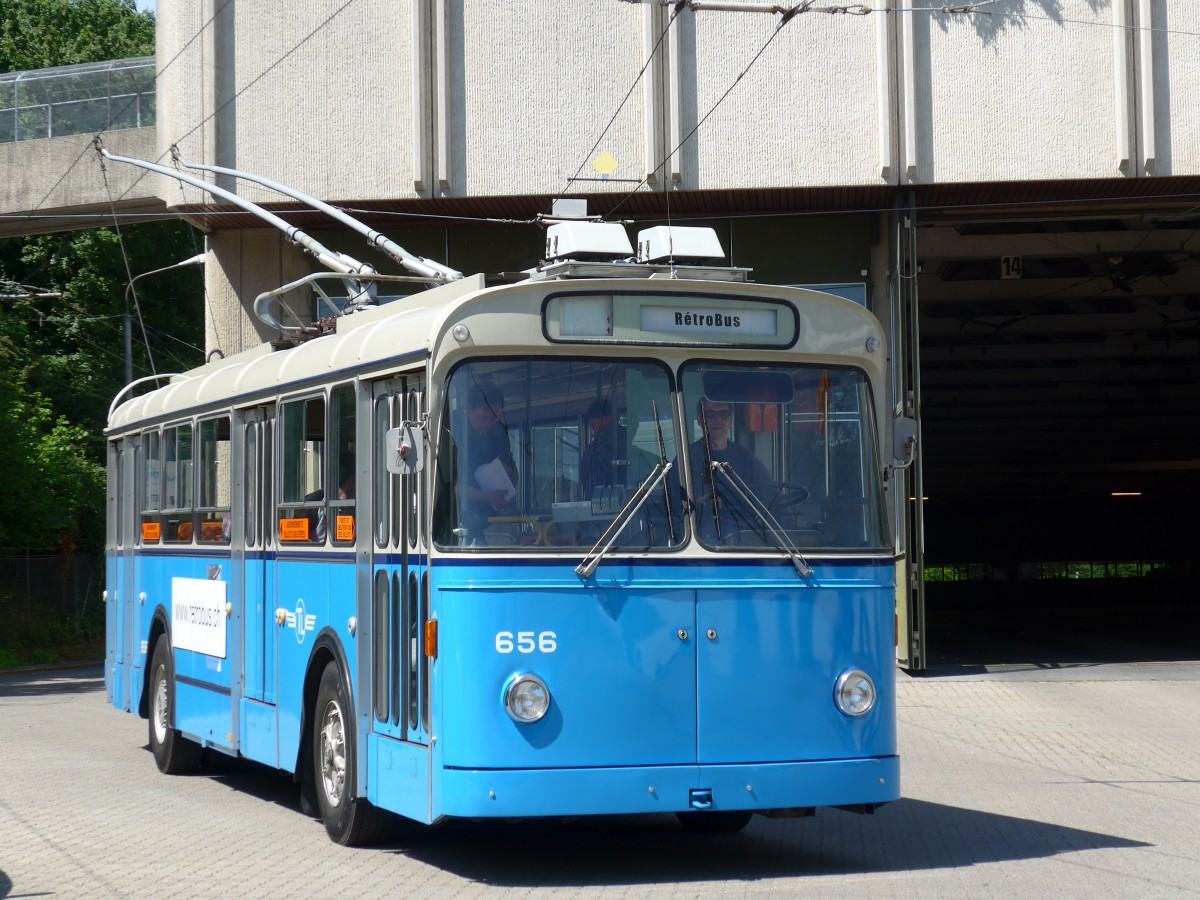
(1013, 187)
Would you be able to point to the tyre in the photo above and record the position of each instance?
(173, 753)
(724, 822)
(348, 821)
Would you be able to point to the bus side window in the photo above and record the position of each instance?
(177, 484)
(215, 481)
(152, 489)
(302, 473)
(341, 458)
(383, 479)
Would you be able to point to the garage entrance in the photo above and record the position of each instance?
(1060, 404)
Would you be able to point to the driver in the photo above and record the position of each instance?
(714, 419)
(732, 517)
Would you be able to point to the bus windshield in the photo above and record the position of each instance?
(782, 454)
(541, 454)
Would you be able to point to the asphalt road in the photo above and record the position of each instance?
(1078, 782)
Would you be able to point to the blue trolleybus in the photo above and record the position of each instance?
(610, 539)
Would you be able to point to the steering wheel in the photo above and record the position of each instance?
(780, 496)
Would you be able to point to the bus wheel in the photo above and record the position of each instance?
(714, 822)
(348, 821)
(173, 753)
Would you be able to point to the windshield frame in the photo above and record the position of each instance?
(774, 442)
(537, 517)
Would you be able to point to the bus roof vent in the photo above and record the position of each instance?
(587, 241)
(681, 245)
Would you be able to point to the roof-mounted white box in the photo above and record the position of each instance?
(587, 240)
(667, 242)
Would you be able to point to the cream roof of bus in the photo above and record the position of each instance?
(405, 330)
(401, 328)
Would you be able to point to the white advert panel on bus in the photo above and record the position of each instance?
(198, 615)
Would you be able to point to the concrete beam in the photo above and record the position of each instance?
(57, 185)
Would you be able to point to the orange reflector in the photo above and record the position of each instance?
(431, 638)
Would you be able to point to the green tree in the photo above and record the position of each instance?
(50, 466)
(61, 346)
(36, 34)
(74, 342)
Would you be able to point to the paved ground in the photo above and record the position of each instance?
(1019, 781)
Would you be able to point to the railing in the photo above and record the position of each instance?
(81, 99)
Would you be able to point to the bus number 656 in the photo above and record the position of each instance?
(526, 641)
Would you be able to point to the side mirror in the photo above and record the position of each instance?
(404, 449)
(904, 441)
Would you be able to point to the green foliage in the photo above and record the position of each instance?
(36, 34)
(61, 353)
(49, 470)
(62, 361)
(43, 640)
(75, 343)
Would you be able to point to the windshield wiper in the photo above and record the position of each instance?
(784, 543)
(649, 483)
(588, 565)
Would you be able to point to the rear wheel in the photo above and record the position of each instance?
(349, 821)
(173, 753)
(724, 822)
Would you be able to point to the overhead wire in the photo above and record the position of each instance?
(131, 289)
(961, 10)
(654, 51)
(666, 159)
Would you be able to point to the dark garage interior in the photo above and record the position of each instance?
(1060, 409)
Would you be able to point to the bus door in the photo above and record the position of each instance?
(118, 574)
(254, 545)
(398, 672)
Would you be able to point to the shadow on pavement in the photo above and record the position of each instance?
(605, 850)
(907, 835)
(51, 680)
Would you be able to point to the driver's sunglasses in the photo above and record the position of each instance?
(710, 415)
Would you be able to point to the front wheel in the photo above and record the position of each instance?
(348, 821)
(173, 753)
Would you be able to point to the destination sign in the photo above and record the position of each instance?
(698, 320)
(670, 317)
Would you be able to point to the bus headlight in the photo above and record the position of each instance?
(526, 698)
(854, 692)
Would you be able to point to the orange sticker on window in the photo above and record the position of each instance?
(293, 529)
(152, 531)
(345, 528)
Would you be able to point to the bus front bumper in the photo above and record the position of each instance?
(521, 793)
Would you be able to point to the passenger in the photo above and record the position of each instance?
(596, 467)
(320, 524)
(486, 465)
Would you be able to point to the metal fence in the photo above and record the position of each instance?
(50, 590)
(81, 99)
